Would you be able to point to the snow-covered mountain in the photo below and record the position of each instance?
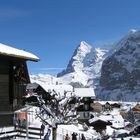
(114, 73)
(120, 73)
(84, 67)
(44, 78)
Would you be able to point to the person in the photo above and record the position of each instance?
(67, 137)
(74, 136)
(47, 134)
(42, 128)
(83, 137)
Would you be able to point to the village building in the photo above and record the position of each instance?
(13, 79)
(87, 97)
(33, 90)
(83, 96)
(60, 89)
(107, 107)
(99, 124)
(115, 105)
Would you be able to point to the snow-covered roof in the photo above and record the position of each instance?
(84, 92)
(57, 88)
(49, 88)
(13, 52)
(95, 119)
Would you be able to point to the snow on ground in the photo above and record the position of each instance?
(69, 129)
(91, 134)
(36, 123)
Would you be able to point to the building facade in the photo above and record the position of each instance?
(13, 79)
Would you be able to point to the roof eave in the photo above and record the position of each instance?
(36, 59)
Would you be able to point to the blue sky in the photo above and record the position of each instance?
(52, 29)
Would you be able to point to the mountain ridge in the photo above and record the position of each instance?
(120, 73)
(85, 62)
(114, 74)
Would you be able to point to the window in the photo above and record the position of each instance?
(86, 114)
(86, 106)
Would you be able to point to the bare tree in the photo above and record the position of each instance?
(57, 110)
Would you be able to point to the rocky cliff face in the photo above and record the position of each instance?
(120, 72)
(84, 67)
(76, 62)
(114, 74)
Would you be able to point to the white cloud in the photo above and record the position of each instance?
(50, 69)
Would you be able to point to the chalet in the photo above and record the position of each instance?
(13, 79)
(107, 107)
(116, 105)
(34, 89)
(99, 124)
(87, 96)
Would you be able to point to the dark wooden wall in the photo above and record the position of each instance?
(13, 79)
(4, 87)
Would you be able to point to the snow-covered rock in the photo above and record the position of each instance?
(43, 78)
(84, 67)
(115, 73)
(120, 73)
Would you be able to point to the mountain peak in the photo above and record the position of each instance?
(76, 62)
(134, 32)
(131, 31)
(83, 45)
(84, 66)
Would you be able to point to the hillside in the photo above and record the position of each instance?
(120, 72)
(115, 74)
